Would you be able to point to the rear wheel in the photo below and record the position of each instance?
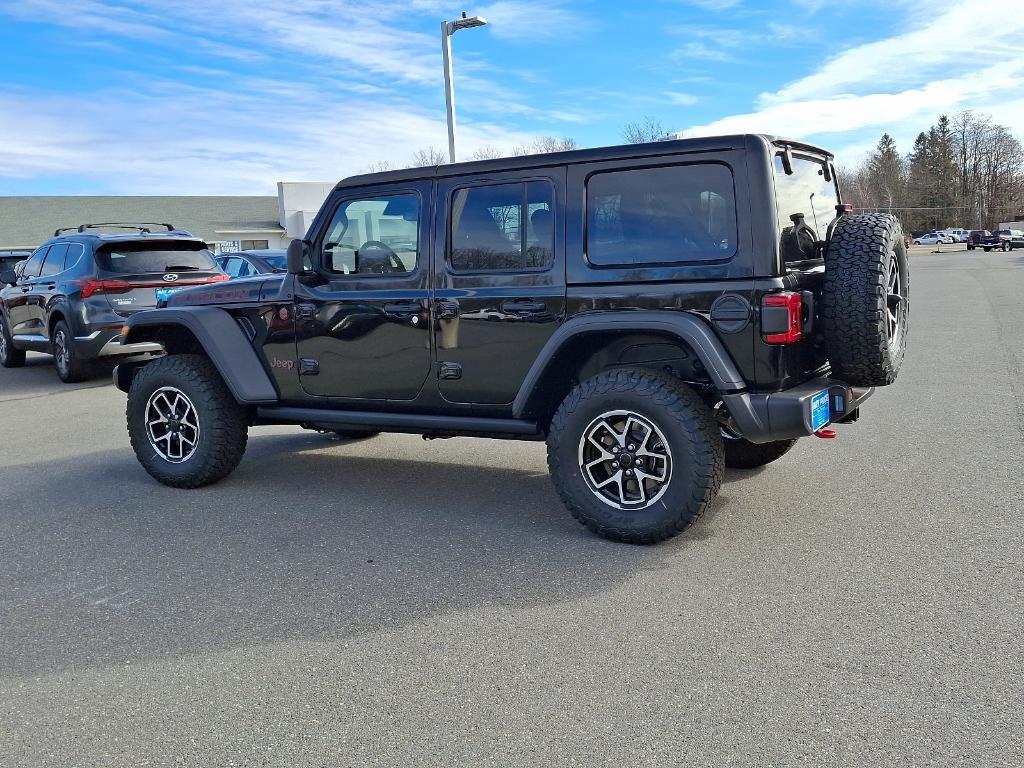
(185, 427)
(636, 456)
(9, 356)
(743, 454)
(70, 367)
(865, 299)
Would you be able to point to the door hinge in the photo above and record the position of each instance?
(449, 371)
(304, 311)
(308, 367)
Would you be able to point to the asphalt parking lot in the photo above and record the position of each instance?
(407, 603)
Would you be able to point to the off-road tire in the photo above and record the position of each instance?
(223, 422)
(71, 368)
(743, 454)
(855, 299)
(689, 428)
(9, 356)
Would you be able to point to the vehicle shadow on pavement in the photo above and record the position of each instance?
(104, 566)
(38, 378)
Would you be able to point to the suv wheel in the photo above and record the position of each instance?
(69, 367)
(1006, 246)
(9, 356)
(635, 455)
(866, 299)
(743, 454)
(186, 428)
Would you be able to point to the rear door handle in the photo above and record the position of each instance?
(516, 305)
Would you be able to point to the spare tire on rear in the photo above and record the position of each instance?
(865, 299)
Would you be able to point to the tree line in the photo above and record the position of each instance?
(967, 171)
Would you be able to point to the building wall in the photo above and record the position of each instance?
(298, 203)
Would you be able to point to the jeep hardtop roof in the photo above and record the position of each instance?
(597, 154)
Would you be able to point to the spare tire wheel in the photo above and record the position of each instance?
(865, 299)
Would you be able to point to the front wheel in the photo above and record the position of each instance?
(635, 455)
(185, 426)
(1006, 247)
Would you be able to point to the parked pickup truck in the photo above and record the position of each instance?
(1004, 240)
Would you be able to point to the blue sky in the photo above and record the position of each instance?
(229, 97)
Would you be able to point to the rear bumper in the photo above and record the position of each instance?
(762, 417)
(107, 343)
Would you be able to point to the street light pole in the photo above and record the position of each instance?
(449, 28)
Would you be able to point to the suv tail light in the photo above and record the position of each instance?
(782, 317)
(90, 286)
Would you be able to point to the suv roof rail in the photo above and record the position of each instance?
(142, 226)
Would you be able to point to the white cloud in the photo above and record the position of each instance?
(902, 83)
(129, 143)
(681, 99)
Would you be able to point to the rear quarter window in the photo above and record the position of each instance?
(667, 215)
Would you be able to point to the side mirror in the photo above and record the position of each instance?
(298, 257)
(8, 277)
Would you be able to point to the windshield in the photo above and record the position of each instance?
(141, 258)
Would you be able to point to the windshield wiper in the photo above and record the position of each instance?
(181, 268)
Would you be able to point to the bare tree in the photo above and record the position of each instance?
(428, 156)
(487, 153)
(546, 144)
(644, 131)
(380, 165)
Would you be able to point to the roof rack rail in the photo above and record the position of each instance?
(142, 226)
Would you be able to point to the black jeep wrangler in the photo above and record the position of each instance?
(655, 312)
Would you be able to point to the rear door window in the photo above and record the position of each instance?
(54, 263)
(154, 258)
(502, 227)
(668, 215)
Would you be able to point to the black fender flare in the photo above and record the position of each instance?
(224, 343)
(686, 326)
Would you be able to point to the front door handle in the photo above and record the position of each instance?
(512, 306)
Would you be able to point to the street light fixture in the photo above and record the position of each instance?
(449, 28)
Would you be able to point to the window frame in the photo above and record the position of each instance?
(422, 243)
(690, 263)
(498, 182)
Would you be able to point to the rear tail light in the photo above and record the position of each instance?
(90, 287)
(782, 317)
(844, 208)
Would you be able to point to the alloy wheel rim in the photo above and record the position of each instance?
(62, 355)
(895, 301)
(172, 425)
(625, 460)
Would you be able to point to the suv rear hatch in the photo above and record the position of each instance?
(807, 203)
(135, 275)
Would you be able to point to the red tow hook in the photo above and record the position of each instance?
(826, 434)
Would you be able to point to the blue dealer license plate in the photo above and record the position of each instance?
(820, 414)
(162, 294)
